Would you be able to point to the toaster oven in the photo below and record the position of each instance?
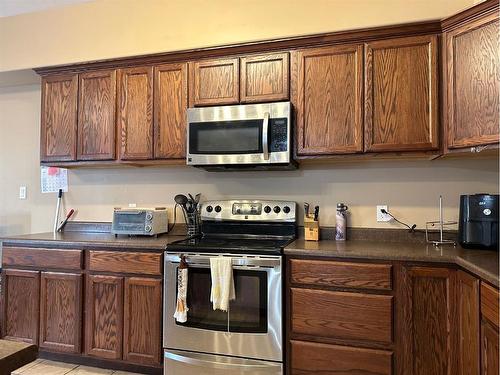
(140, 221)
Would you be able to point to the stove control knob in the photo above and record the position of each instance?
(267, 209)
(210, 208)
(286, 210)
(218, 208)
(277, 209)
(148, 228)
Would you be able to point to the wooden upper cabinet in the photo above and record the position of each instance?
(59, 118)
(329, 100)
(171, 101)
(61, 312)
(21, 303)
(135, 113)
(264, 78)
(401, 94)
(96, 115)
(473, 82)
(214, 82)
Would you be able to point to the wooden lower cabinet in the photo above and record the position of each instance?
(489, 349)
(308, 358)
(21, 305)
(104, 316)
(61, 312)
(142, 320)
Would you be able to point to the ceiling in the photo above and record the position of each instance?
(15, 7)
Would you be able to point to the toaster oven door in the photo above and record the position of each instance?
(129, 222)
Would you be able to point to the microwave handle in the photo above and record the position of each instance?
(265, 135)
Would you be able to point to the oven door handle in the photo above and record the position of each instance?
(241, 262)
(265, 135)
(228, 363)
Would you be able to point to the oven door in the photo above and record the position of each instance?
(243, 134)
(252, 327)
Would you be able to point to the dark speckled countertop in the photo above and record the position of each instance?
(482, 263)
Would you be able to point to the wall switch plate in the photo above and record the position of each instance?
(22, 192)
(132, 205)
(381, 217)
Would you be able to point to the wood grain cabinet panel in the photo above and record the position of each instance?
(214, 82)
(125, 262)
(468, 323)
(96, 115)
(42, 258)
(341, 274)
(135, 113)
(312, 358)
(340, 315)
(264, 78)
(490, 303)
(59, 118)
(142, 320)
(171, 101)
(427, 301)
(401, 94)
(104, 316)
(61, 312)
(21, 303)
(473, 82)
(489, 349)
(329, 100)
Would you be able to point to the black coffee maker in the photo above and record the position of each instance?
(478, 222)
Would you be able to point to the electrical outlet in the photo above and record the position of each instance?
(381, 216)
(22, 192)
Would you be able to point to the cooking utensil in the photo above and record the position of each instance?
(306, 209)
(316, 213)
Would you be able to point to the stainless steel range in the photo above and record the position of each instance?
(249, 336)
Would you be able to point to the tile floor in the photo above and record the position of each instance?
(46, 367)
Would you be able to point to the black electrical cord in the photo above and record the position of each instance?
(411, 229)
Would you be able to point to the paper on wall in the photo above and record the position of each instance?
(53, 179)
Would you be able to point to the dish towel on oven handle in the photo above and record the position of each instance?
(221, 269)
(181, 308)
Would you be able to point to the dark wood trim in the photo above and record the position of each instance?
(270, 45)
(470, 14)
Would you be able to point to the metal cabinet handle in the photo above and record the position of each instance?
(265, 131)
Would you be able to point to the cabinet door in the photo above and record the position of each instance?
(142, 320)
(96, 115)
(264, 78)
(489, 349)
(135, 113)
(401, 103)
(21, 302)
(468, 323)
(329, 97)
(61, 312)
(59, 118)
(472, 83)
(104, 316)
(171, 101)
(426, 320)
(214, 82)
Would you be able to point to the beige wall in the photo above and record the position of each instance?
(115, 28)
(410, 188)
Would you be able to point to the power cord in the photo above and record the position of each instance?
(411, 229)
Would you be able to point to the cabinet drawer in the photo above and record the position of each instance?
(489, 303)
(121, 262)
(42, 258)
(312, 358)
(341, 274)
(341, 315)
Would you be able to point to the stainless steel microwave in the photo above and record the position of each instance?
(251, 136)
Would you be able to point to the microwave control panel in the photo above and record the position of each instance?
(278, 137)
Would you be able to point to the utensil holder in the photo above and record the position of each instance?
(193, 223)
(311, 229)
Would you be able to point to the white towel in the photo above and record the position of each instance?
(181, 307)
(221, 269)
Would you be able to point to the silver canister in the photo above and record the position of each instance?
(341, 225)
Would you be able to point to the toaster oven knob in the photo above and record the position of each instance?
(267, 209)
(210, 208)
(148, 228)
(286, 210)
(277, 209)
(218, 208)
(149, 216)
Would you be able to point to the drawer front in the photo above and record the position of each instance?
(489, 303)
(341, 274)
(42, 258)
(121, 262)
(311, 358)
(341, 315)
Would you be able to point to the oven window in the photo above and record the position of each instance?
(247, 313)
(226, 137)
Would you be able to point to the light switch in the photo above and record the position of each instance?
(22, 192)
